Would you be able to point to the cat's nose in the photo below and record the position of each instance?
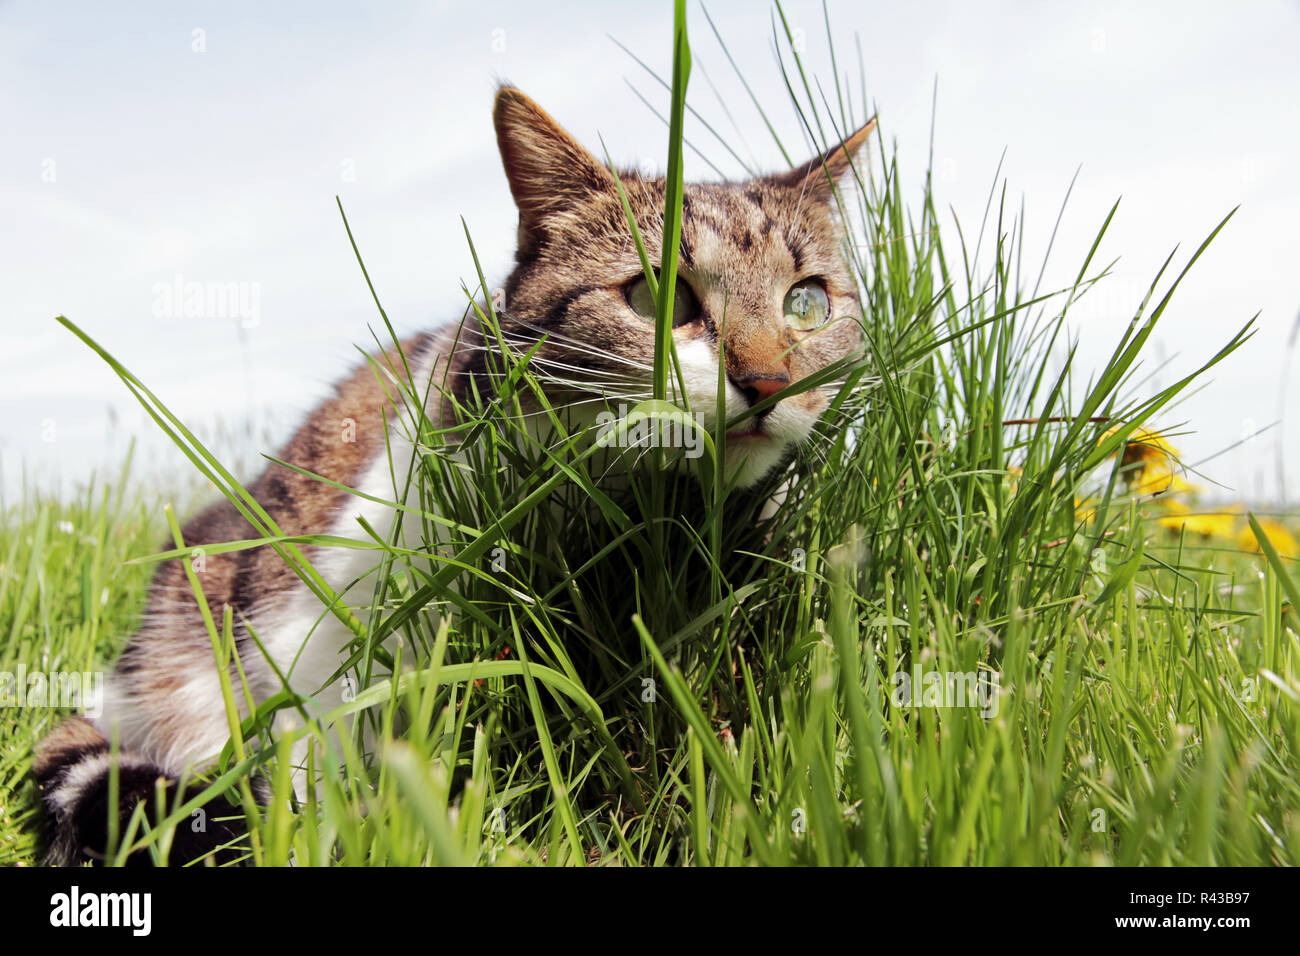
(758, 387)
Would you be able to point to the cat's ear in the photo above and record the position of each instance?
(818, 178)
(548, 169)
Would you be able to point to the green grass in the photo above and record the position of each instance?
(660, 675)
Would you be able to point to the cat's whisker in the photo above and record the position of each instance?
(606, 374)
(586, 347)
(542, 358)
(591, 377)
(597, 399)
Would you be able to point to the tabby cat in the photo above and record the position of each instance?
(768, 252)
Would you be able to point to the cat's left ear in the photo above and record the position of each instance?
(549, 171)
(818, 178)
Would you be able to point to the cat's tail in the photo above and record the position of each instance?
(73, 769)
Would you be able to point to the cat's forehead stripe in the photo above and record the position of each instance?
(741, 215)
(760, 202)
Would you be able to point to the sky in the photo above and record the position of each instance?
(152, 146)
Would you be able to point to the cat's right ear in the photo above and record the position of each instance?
(820, 176)
(548, 170)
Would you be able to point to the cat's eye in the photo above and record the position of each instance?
(685, 308)
(806, 305)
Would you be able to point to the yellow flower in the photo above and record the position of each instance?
(1013, 478)
(1150, 464)
(1281, 539)
(1214, 524)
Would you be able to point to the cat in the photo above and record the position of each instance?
(769, 251)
